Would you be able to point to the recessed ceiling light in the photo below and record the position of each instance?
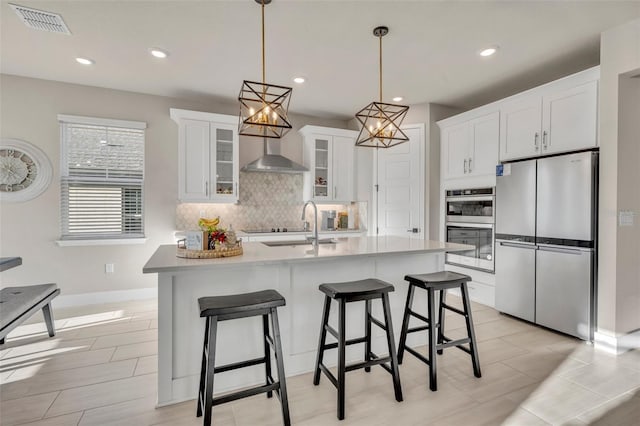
(85, 61)
(489, 51)
(397, 99)
(158, 53)
(299, 80)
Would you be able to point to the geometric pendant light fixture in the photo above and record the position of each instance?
(264, 107)
(381, 121)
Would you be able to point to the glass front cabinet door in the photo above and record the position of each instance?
(329, 154)
(208, 161)
(322, 179)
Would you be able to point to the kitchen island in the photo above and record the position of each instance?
(295, 271)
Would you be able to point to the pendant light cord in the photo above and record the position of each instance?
(263, 78)
(380, 38)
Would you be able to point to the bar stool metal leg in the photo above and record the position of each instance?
(433, 330)
(323, 338)
(470, 331)
(341, 356)
(405, 323)
(367, 333)
(211, 362)
(267, 353)
(282, 389)
(392, 347)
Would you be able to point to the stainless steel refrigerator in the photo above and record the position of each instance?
(546, 232)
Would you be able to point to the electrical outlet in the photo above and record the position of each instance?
(626, 217)
(109, 268)
(202, 213)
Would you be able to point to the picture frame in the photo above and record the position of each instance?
(196, 240)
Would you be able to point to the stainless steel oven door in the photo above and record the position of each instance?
(478, 235)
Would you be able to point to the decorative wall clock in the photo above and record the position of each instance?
(25, 170)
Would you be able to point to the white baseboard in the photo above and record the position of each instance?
(65, 301)
(616, 344)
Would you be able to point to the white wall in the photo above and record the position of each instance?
(628, 265)
(619, 266)
(29, 109)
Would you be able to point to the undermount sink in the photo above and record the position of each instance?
(297, 242)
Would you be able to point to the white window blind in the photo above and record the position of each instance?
(102, 178)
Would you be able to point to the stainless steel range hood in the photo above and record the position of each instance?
(273, 162)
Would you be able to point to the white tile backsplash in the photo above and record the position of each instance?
(266, 200)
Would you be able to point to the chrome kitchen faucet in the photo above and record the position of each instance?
(314, 239)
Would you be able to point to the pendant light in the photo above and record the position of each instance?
(263, 107)
(381, 121)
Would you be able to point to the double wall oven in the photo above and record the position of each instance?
(470, 219)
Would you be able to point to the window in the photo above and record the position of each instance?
(102, 178)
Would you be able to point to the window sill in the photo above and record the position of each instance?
(100, 242)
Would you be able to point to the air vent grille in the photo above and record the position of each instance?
(40, 20)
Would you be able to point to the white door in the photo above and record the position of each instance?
(400, 193)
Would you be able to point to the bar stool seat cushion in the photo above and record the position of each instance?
(442, 279)
(234, 303)
(355, 288)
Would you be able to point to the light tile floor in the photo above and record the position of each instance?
(100, 369)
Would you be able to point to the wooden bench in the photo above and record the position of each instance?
(19, 303)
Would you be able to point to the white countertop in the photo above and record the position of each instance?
(165, 259)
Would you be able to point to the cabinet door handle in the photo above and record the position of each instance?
(335, 192)
(465, 165)
(206, 188)
(237, 194)
(535, 141)
(469, 165)
(544, 139)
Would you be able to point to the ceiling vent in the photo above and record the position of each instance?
(40, 20)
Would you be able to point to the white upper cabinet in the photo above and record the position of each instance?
(570, 119)
(329, 156)
(558, 117)
(470, 146)
(208, 161)
(521, 132)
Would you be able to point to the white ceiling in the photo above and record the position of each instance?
(430, 54)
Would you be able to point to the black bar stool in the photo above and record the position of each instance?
(344, 293)
(438, 281)
(221, 308)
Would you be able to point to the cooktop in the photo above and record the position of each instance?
(268, 230)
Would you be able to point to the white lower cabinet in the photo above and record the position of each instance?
(481, 287)
(208, 161)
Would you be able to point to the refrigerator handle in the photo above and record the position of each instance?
(518, 245)
(563, 250)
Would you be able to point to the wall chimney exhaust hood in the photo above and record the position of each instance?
(273, 162)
